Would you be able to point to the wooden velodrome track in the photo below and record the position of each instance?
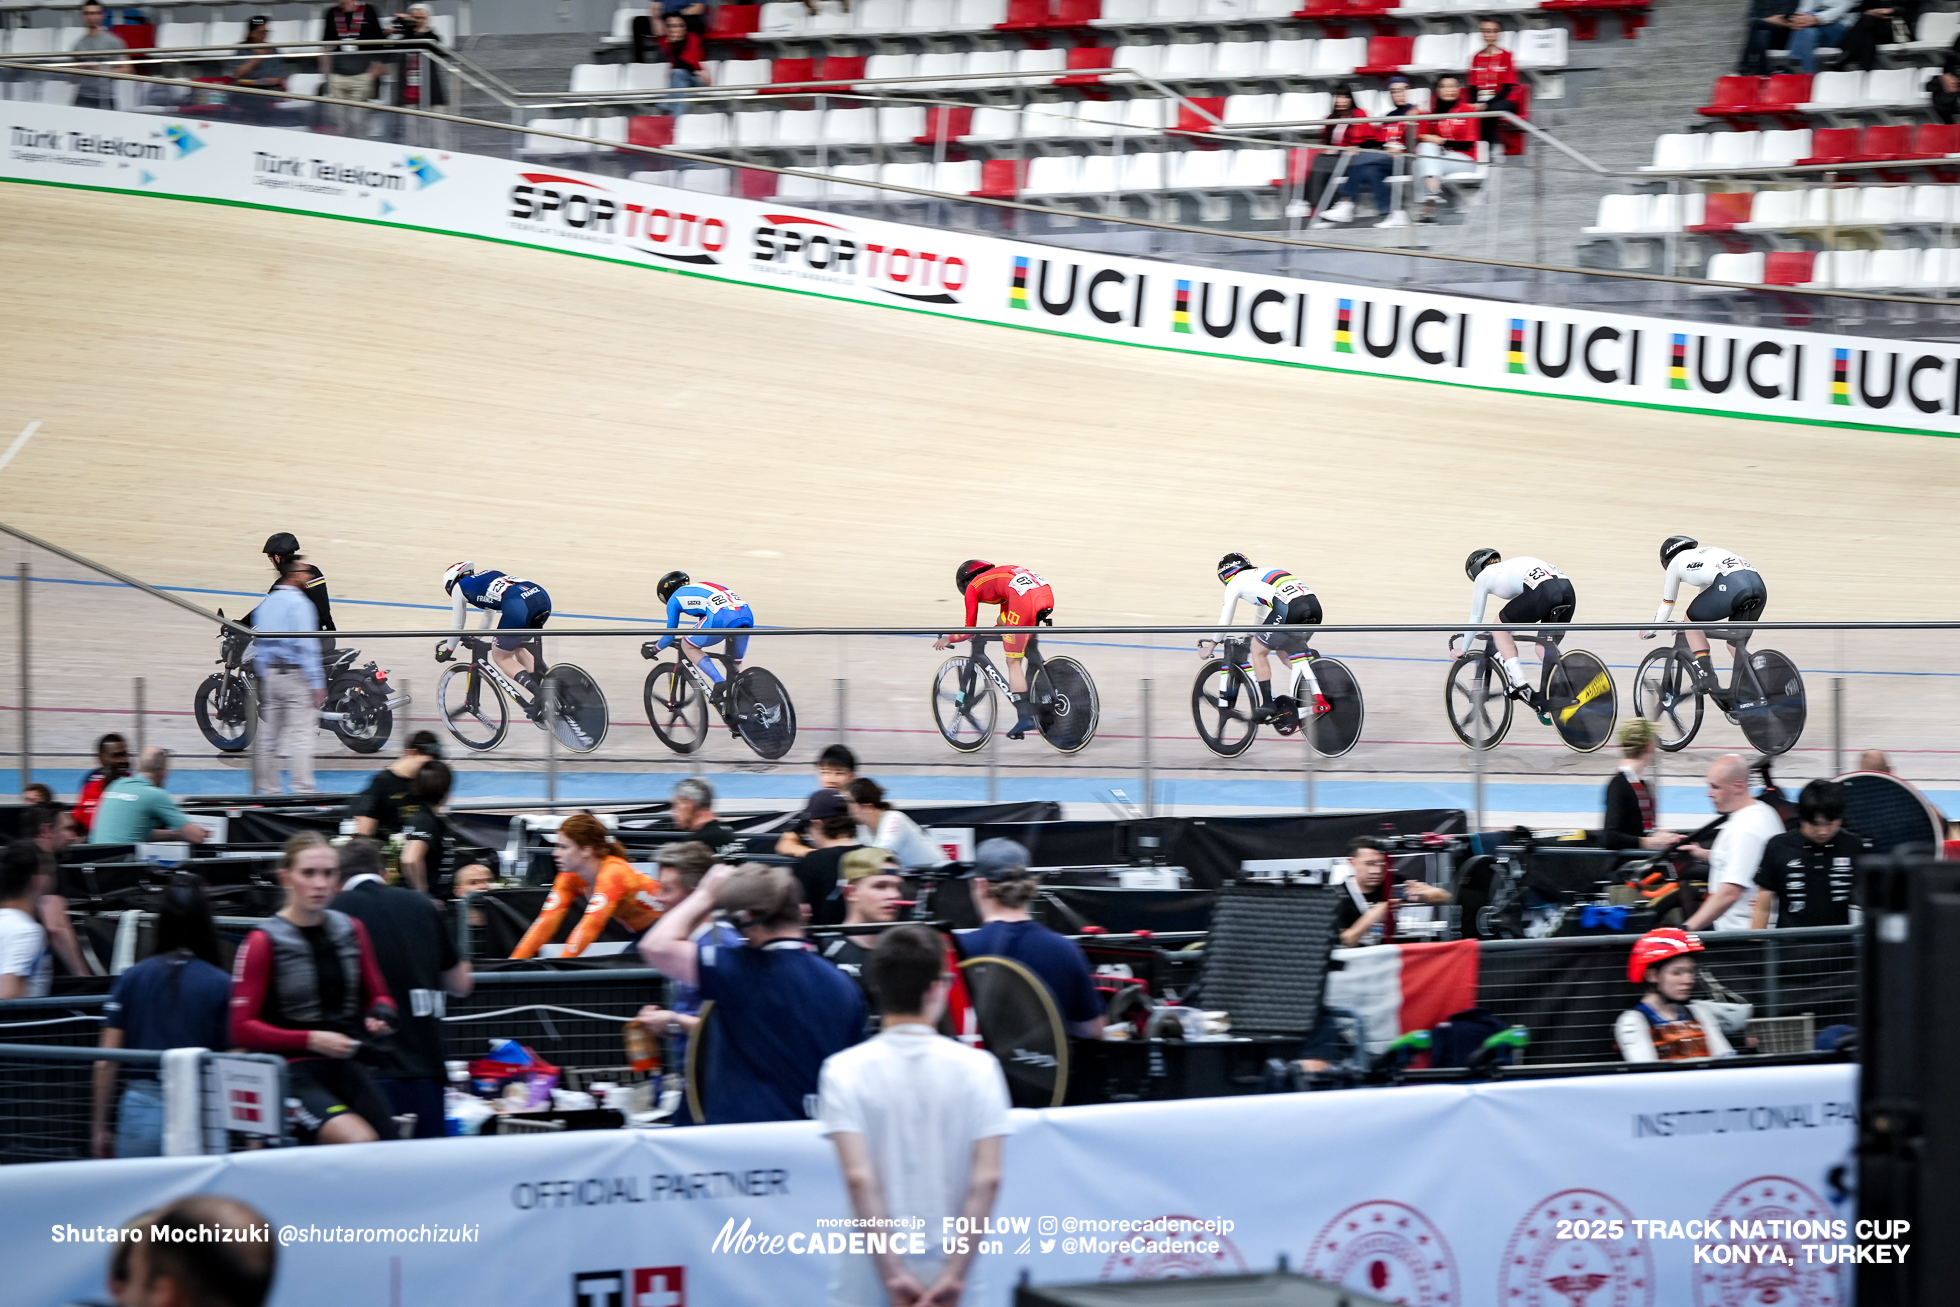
(207, 375)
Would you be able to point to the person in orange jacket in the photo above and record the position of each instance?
(592, 865)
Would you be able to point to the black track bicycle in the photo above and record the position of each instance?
(1765, 695)
(1577, 689)
(968, 688)
(751, 703)
(475, 697)
(1226, 703)
(359, 708)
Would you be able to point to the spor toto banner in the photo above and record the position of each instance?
(1605, 1191)
(1786, 375)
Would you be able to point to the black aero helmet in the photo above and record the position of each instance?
(283, 545)
(1479, 559)
(1674, 545)
(670, 583)
(972, 567)
(1231, 565)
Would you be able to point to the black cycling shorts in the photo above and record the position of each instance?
(1737, 597)
(1304, 611)
(319, 1089)
(1550, 602)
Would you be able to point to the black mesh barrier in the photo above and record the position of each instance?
(568, 1018)
(1266, 960)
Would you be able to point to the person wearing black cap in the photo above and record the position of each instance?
(282, 550)
(1002, 889)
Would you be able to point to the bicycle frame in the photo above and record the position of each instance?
(977, 656)
(1740, 646)
(481, 664)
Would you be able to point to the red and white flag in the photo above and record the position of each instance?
(1396, 988)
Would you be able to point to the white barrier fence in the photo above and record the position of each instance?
(1607, 357)
(1437, 1195)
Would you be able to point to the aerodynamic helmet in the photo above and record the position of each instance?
(1231, 565)
(972, 567)
(1674, 545)
(1479, 559)
(456, 572)
(670, 583)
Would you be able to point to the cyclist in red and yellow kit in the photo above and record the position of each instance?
(1025, 601)
(593, 866)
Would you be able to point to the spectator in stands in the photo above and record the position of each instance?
(918, 1122)
(682, 867)
(353, 71)
(1808, 876)
(111, 765)
(836, 769)
(884, 827)
(389, 801)
(1943, 93)
(177, 997)
(35, 794)
(1875, 759)
(1815, 23)
(871, 891)
(418, 79)
(1664, 1025)
(54, 830)
(470, 880)
(1738, 849)
(1447, 147)
(136, 809)
(1370, 149)
(1630, 806)
(306, 985)
(1002, 889)
(195, 1268)
(593, 866)
(428, 850)
(292, 685)
(262, 68)
(1359, 918)
(1327, 161)
(821, 871)
(649, 28)
(780, 1010)
(1766, 27)
(1879, 22)
(419, 962)
(692, 808)
(96, 92)
(26, 965)
(1493, 80)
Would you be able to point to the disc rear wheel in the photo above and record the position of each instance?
(1337, 730)
(1066, 704)
(1769, 700)
(1583, 701)
(763, 714)
(580, 707)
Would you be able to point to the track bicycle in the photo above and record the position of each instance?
(1575, 686)
(359, 708)
(964, 698)
(1765, 694)
(475, 698)
(752, 703)
(1226, 703)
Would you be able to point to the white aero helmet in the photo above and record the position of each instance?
(456, 572)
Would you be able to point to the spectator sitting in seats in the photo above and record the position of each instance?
(649, 28)
(1629, 822)
(692, 807)
(1494, 80)
(1446, 147)
(918, 1122)
(26, 966)
(686, 59)
(1809, 876)
(1943, 94)
(1326, 161)
(178, 997)
(682, 867)
(471, 880)
(836, 769)
(262, 67)
(111, 765)
(1371, 149)
(1875, 759)
(780, 1010)
(1359, 918)
(54, 830)
(1815, 23)
(821, 871)
(1664, 1026)
(381, 809)
(1767, 26)
(1002, 889)
(1879, 22)
(882, 826)
(592, 865)
(1738, 848)
(306, 985)
(872, 889)
(35, 794)
(195, 1268)
(96, 92)
(137, 809)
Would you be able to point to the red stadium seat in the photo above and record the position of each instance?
(841, 68)
(1889, 141)
(1833, 145)
(1083, 61)
(1733, 97)
(1076, 13)
(945, 123)
(754, 184)
(1373, 9)
(1724, 211)
(1000, 179)
(137, 36)
(1932, 140)
(1190, 120)
(790, 70)
(1788, 267)
(653, 131)
(1025, 14)
(735, 22)
(1387, 54)
(1786, 93)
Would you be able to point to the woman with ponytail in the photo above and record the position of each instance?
(592, 865)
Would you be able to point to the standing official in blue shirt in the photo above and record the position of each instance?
(291, 685)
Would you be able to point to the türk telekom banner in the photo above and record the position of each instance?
(1660, 1190)
(1787, 375)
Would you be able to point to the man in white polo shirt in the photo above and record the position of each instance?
(1738, 849)
(918, 1122)
(26, 966)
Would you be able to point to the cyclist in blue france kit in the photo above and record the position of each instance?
(713, 608)
(520, 605)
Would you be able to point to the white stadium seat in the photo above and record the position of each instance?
(1785, 147)
(1051, 175)
(851, 127)
(1304, 106)
(32, 40)
(221, 31)
(1123, 13)
(880, 16)
(1680, 150)
(1839, 270)
(622, 25)
(595, 79)
(647, 77)
(842, 189)
(1883, 206)
(995, 63)
(1201, 170)
(1932, 204)
(976, 16)
(781, 18)
(1675, 212)
(990, 124)
(1339, 58)
(1836, 90)
(1835, 206)
(961, 178)
(703, 131)
(1743, 269)
(177, 36)
(1892, 269)
(901, 124)
(1732, 150)
(890, 65)
(1239, 60)
(1096, 176)
(1150, 116)
(1141, 172)
(1144, 60)
(1039, 61)
(795, 128)
(1620, 214)
(1251, 110)
(1776, 211)
(928, 15)
(1895, 86)
(1441, 53)
(1289, 58)
(752, 130)
(1253, 170)
(794, 188)
(830, 20)
(1183, 63)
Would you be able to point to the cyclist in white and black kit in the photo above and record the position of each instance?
(1287, 602)
(1731, 591)
(1535, 593)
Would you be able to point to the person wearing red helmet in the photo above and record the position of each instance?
(1665, 1026)
(1025, 601)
